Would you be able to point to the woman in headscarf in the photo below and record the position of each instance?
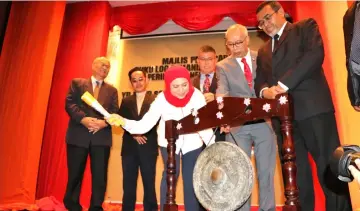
(174, 103)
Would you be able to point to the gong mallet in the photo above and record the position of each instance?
(91, 101)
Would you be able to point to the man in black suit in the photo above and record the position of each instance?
(138, 151)
(292, 62)
(89, 134)
(206, 81)
(351, 26)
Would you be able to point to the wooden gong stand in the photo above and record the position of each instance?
(235, 112)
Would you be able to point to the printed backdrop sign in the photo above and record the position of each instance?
(156, 72)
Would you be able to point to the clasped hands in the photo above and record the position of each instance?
(271, 92)
(93, 124)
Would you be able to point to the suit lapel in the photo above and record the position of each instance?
(102, 93)
(287, 28)
(88, 87)
(144, 104)
(237, 68)
(213, 85)
(197, 82)
(253, 64)
(133, 105)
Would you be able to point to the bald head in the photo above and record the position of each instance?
(237, 40)
(236, 29)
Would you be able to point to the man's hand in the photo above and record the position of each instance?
(279, 89)
(86, 121)
(209, 97)
(140, 139)
(270, 93)
(97, 125)
(225, 129)
(357, 108)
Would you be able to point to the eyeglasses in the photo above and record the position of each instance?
(236, 44)
(266, 18)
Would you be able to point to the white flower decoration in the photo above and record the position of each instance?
(219, 115)
(266, 107)
(283, 100)
(197, 120)
(178, 126)
(247, 101)
(219, 100)
(194, 112)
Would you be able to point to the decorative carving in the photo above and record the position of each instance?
(236, 113)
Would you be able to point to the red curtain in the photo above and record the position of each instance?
(84, 37)
(191, 15)
(26, 70)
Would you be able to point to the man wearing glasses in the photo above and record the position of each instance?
(89, 134)
(236, 75)
(206, 81)
(291, 61)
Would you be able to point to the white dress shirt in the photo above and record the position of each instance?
(140, 96)
(93, 82)
(163, 110)
(248, 61)
(279, 33)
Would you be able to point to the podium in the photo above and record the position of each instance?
(235, 111)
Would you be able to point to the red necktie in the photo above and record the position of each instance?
(206, 86)
(247, 72)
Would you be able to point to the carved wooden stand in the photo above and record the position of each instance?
(235, 112)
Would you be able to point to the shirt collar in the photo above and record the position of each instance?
(204, 75)
(93, 81)
(140, 94)
(281, 29)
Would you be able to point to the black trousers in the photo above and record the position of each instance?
(147, 165)
(319, 136)
(76, 163)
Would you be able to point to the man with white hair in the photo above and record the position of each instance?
(236, 75)
(89, 134)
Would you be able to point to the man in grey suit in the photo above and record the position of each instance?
(236, 76)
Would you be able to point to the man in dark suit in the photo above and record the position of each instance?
(351, 26)
(138, 151)
(292, 62)
(206, 81)
(89, 134)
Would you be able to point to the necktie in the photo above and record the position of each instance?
(355, 44)
(276, 41)
(96, 90)
(247, 72)
(206, 87)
